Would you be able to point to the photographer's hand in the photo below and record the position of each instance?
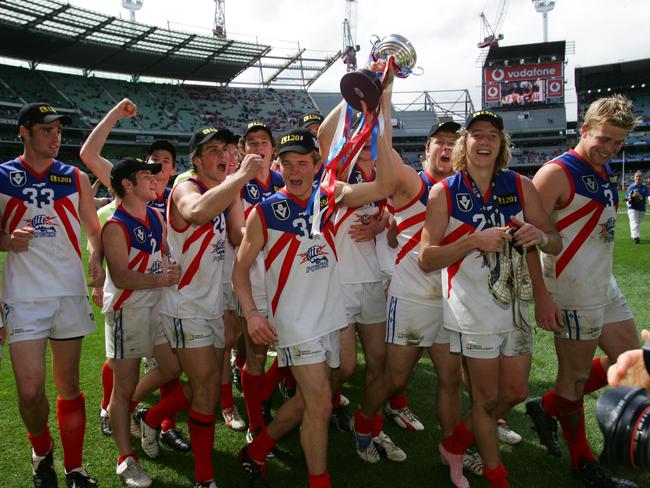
(629, 369)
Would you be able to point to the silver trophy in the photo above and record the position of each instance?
(367, 86)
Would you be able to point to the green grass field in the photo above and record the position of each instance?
(528, 463)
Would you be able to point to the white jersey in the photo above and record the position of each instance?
(359, 261)
(200, 252)
(49, 204)
(409, 281)
(580, 276)
(144, 240)
(302, 279)
(469, 306)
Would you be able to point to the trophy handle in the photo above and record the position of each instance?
(417, 71)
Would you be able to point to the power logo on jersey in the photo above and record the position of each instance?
(219, 250)
(316, 256)
(43, 225)
(607, 230)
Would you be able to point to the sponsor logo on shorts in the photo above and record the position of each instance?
(464, 201)
(474, 346)
(43, 225)
(303, 352)
(60, 180)
(18, 178)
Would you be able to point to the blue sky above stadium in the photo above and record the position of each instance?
(444, 33)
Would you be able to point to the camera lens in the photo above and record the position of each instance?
(624, 418)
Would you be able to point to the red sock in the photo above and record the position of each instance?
(459, 440)
(172, 404)
(252, 386)
(571, 415)
(240, 361)
(201, 427)
(320, 480)
(261, 445)
(336, 401)
(597, 376)
(42, 442)
(363, 425)
(71, 415)
(226, 396)
(271, 380)
(549, 403)
(132, 454)
(107, 384)
(377, 424)
(498, 477)
(399, 402)
(165, 391)
(291, 381)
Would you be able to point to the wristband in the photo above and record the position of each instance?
(251, 312)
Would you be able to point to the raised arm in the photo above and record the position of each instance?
(90, 223)
(198, 209)
(91, 150)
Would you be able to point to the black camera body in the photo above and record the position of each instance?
(623, 415)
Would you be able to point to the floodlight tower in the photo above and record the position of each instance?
(132, 6)
(219, 29)
(350, 46)
(544, 7)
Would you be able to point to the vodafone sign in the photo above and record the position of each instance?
(505, 74)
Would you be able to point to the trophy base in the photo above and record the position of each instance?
(362, 85)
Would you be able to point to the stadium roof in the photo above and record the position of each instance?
(613, 75)
(540, 49)
(54, 32)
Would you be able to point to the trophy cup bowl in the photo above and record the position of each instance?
(364, 85)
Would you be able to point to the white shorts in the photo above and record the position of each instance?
(194, 332)
(365, 303)
(325, 349)
(517, 342)
(59, 318)
(586, 325)
(131, 332)
(411, 323)
(229, 300)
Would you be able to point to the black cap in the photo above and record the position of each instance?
(448, 126)
(311, 118)
(256, 125)
(486, 115)
(162, 145)
(297, 140)
(127, 166)
(40, 113)
(205, 134)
